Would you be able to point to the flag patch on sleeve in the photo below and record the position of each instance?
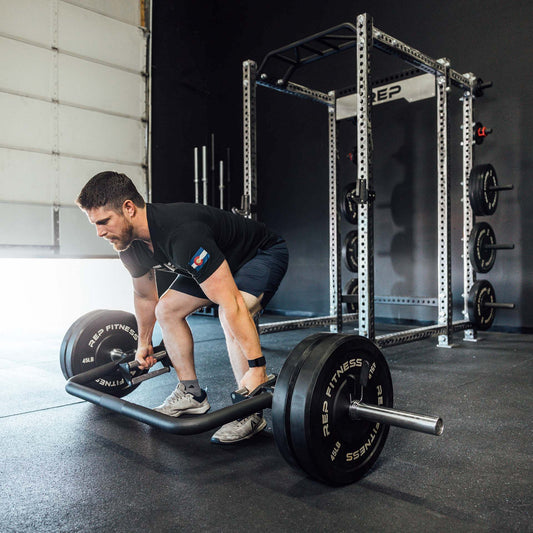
(199, 259)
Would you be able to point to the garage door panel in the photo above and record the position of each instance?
(28, 123)
(76, 233)
(30, 177)
(16, 20)
(125, 10)
(117, 43)
(99, 136)
(26, 177)
(25, 68)
(101, 87)
(73, 103)
(75, 173)
(31, 226)
(28, 69)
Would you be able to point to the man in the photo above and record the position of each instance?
(219, 257)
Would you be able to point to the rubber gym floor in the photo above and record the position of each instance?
(70, 466)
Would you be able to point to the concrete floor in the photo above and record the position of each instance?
(69, 466)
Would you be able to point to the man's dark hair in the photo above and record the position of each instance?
(109, 189)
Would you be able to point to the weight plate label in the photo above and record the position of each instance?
(112, 327)
(358, 454)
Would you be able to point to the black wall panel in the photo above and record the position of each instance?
(198, 49)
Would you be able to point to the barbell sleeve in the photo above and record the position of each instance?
(425, 424)
(499, 305)
(501, 188)
(498, 246)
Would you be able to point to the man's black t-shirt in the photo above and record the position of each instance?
(194, 240)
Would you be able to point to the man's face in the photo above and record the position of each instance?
(112, 226)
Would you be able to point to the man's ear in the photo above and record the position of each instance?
(129, 209)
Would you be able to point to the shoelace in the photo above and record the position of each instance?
(177, 394)
(241, 421)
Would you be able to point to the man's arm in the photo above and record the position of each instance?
(145, 299)
(221, 289)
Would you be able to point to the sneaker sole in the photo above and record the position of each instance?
(257, 430)
(194, 411)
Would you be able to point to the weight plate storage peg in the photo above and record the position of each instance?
(480, 132)
(483, 190)
(97, 338)
(351, 295)
(482, 304)
(325, 441)
(482, 247)
(349, 251)
(348, 201)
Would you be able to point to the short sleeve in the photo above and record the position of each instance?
(133, 263)
(195, 250)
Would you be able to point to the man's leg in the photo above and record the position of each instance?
(243, 428)
(171, 312)
(257, 281)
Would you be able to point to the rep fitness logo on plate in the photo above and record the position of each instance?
(199, 259)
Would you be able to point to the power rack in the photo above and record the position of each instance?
(429, 78)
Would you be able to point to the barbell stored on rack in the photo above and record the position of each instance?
(482, 304)
(482, 247)
(483, 190)
(331, 403)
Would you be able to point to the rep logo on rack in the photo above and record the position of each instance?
(386, 93)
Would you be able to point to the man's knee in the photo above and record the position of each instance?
(166, 311)
(174, 306)
(253, 303)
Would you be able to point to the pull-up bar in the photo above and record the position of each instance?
(343, 37)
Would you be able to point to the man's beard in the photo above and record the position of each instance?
(124, 241)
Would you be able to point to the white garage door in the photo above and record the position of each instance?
(74, 79)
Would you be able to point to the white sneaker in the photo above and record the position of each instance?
(180, 402)
(240, 429)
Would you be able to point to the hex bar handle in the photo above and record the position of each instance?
(425, 424)
(133, 365)
(180, 426)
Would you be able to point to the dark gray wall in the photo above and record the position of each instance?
(198, 49)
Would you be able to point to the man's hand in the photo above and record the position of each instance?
(144, 357)
(253, 378)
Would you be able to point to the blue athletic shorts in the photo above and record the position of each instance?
(261, 275)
